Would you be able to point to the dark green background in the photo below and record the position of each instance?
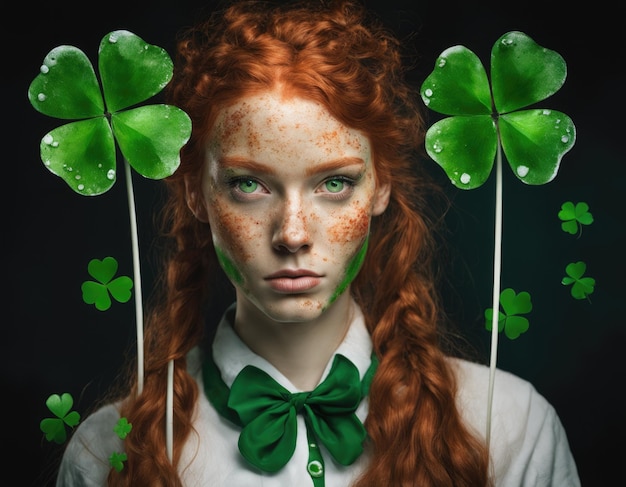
(574, 350)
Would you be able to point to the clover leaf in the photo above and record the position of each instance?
(485, 115)
(574, 217)
(581, 286)
(122, 428)
(513, 305)
(99, 293)
(83, 152)
(116, 460)
(55, 428)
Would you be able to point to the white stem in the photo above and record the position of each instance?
(497, 264)
(137, 275)
(169, 407)
(169, 411)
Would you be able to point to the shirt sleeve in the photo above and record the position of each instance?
(543, 458)
(528, 443)
(85, 461)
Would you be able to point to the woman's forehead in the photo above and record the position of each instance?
(273, 110)
(268, 122)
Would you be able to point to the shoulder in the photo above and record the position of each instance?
(511, 392)
(528, 443)
(516, 403)
(85, 462)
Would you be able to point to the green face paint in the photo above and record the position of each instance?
(229, 267)
(354, 266)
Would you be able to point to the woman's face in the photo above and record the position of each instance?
(289, 193)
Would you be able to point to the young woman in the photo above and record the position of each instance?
(303, 183)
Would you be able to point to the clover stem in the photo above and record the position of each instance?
(136, 273)
(169, 411)
(497, 265)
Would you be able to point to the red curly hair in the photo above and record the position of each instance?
(336, 54)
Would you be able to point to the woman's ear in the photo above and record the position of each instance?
(195, 201)
(381, 199)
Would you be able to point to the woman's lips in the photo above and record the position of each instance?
(293, 282)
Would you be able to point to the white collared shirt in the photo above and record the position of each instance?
(224, 464)
(528, 443)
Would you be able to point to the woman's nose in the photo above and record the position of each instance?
(292, 231)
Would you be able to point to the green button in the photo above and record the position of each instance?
(315, 468)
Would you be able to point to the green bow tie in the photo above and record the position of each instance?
(267, 412)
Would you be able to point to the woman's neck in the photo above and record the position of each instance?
(299, 350)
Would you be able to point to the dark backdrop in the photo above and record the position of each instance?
(573, 352)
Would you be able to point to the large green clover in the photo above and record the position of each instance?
(483, 115)
(486, 121)
(83, 152)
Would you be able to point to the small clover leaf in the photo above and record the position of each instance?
(533, 140)
(54, 428)
(574, 217)
(122, 428)
(116, 460)
(83, 152)
(582, 287)
(513, 305)
(99, 293)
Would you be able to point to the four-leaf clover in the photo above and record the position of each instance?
(513, 305)
(54, 428)
(83, 152)
(574, 217)
(484, 114)
(581, 286)
(99, 293)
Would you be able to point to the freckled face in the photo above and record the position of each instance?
(289, 193)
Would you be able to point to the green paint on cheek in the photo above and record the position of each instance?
(354, 266)
(229, 267)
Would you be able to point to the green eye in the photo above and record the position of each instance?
(248, 185)
(334, 185)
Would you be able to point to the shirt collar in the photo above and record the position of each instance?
(231, 355)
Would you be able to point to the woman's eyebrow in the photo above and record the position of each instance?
(248, 164)
(334, 165)
(243, 163)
